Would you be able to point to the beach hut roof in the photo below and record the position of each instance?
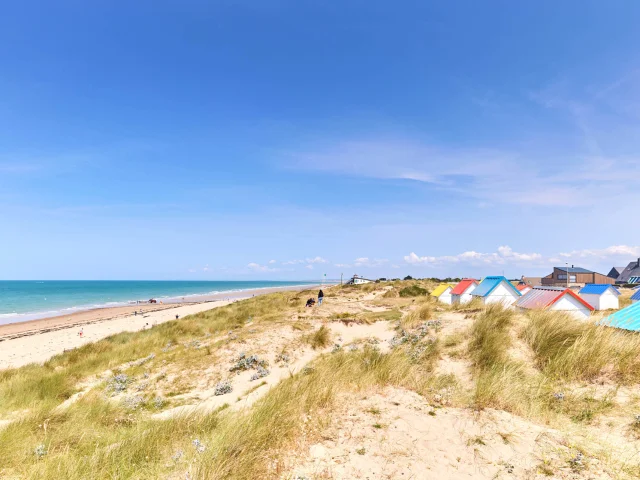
(598, 288)
(636, 296)
(522, 286)
(543, 297)
(440, 289)
(488, 285)
(628, 318)
(462, 286)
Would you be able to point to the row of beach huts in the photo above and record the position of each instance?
(523, 296)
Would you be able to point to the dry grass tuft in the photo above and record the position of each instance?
(490, 340)
(422, 313)
(570, 350)
(318, 339)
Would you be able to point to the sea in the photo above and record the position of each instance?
(22, 300)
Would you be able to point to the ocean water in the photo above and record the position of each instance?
(31, 299)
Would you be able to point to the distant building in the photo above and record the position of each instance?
(533, 281)
(574, 277)
(462, 291)
(358, 280)
(443, 293)
(496, 290)
(601, 297)
(631, 273)
(615, 272)
(556, 299)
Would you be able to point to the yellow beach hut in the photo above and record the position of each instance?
(443, 292)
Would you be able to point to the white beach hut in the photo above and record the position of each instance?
(600, 296)
(461, 293)
(443, 293)
(556, 299)
(496, 290)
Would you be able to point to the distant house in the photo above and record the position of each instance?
(557, 299)
(574, 276)
(636, 296)
(631, 273)
(443, 293)
(628, 318)
(601, 297)
(462, 291)
(615, 272)
(524, 288)
(358, 280)
(533, 281)
(496, 290)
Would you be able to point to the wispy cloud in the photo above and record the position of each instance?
(369, 262)
(306, 261)
(506, 256)
(256, 267)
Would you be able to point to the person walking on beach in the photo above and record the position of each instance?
(320, 297)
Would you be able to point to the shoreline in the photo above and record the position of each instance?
(188, 298)
(35, 341)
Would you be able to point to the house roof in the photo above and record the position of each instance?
(598, 289)
(636, 295)
(628, 318)
(440, 289)
(543, 297)
(462, 286)
(522, 286)
(631, 270)
(573, 269)
(488, 284)
(615, 272)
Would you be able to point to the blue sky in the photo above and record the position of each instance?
(288, 139)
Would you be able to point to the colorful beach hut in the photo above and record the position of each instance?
(628, 318)
(496, 290)
(600, 296)
(524, 288)
(461, 293)
(443, 293)
(556, 299)
(636, 296)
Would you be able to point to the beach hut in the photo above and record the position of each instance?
(496, 290)
(636, 296)
(443, 293)
(557, 299)
(523, 288)
(461, 293)
(628, 318)
(600, 296)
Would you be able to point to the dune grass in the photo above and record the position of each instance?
(423, 312)
(45, 386)
(318, 339)
(490, 339)
(568, 349)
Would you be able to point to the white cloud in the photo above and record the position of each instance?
(307, 261)
(367, 262)
(316, 260)
(626, 251)
(192, 270)
(505, 255)
(310, 267)
(206, 268)
(271, 262)
(256, 267)
(342, 265)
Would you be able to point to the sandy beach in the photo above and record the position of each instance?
(36, 341)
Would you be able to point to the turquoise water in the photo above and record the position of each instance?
(26, 300)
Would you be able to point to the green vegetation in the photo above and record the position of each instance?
(413, 291)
